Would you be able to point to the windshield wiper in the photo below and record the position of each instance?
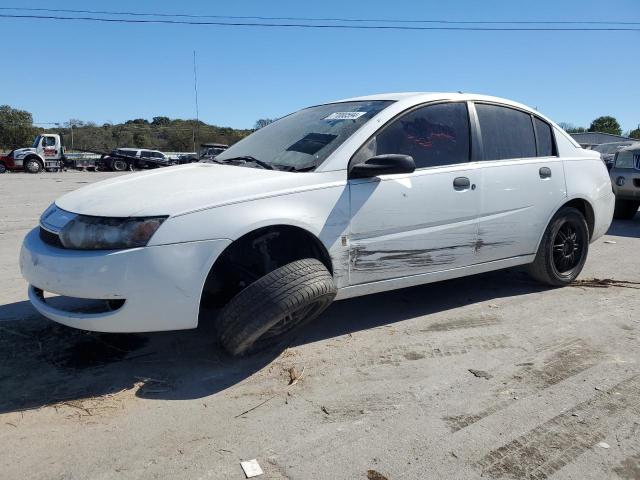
(249, 159)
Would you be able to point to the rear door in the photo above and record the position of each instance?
(425, 221)
(522, 180)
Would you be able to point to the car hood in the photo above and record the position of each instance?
(186, 188)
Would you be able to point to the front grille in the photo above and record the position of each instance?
(50, 238)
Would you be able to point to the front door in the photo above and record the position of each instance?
(426, 221)
(50, 148)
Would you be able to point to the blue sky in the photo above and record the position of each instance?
(115, 72)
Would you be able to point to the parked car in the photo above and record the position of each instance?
(208, 151)
(608, 150)
(123, 159)
(334, 201)
(625, 177)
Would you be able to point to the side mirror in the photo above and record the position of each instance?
(383, 165)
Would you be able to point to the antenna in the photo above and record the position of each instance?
(195, 89)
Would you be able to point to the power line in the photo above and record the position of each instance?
(326, 19)
(324, 26)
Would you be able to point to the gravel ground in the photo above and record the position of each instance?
(491, 375)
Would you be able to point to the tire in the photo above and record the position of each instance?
(273, 306)
(119, 165)
(32, 165)
(626, 209)
(3, 168)
(563, 249)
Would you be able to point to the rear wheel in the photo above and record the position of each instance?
(3, 168)
(32, 165)
(563, 249)
(273, 306)
(119, 165)
(626, 209)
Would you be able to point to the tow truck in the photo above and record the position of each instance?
(46, 153)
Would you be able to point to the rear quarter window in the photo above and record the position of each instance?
(546, 146)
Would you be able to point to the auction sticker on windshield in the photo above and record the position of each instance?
(345, 115)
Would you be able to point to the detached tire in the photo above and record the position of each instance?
(273, 306)
(563, 249)
(625, 209)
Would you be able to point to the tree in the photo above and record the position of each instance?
(570, 128)
(263, 122)
(16, 128)
(137, 121)
(635, 133)
(74, 122)
(606, 124)
(159, 121)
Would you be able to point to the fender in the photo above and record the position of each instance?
(557, 208)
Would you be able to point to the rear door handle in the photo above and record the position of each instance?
(461, 183)
(545, 172)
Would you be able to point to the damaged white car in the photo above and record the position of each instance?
(334, 201)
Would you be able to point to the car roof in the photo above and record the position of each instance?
(420, 97)
(616, 143)
(633, 146)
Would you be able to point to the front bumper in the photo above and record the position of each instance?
(160, 285)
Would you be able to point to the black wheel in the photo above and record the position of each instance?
(273, 306)
(119, 165)
(32, 165)
(3, 168)
(626, 209)
(563, 249)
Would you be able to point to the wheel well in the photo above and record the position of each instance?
(254, 255)
(586, 209)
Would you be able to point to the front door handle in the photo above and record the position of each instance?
(461, 183)
(545, 172)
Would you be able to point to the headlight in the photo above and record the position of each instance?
(99, 233)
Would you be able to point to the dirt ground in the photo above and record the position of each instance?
(490, 376)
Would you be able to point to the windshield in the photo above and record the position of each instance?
(303, 140)
(36, 142)
(628, 159)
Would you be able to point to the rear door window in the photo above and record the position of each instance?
(506, 132)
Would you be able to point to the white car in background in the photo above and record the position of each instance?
(334, 201)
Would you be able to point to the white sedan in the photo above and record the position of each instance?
(334, 201)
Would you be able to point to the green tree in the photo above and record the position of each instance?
(137, 121)
(606, 124)
(159, 121)
(635, 133)
(16, 128)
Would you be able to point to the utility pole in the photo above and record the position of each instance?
(195, 89)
